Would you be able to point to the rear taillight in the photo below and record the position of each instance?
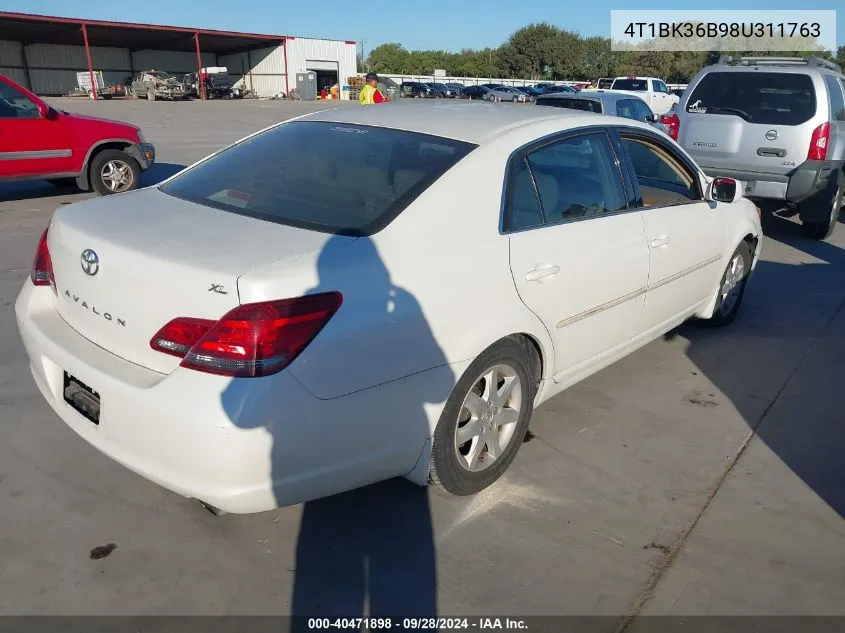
(42, 265)
(255, 339)
(674, 124)
(819, 142)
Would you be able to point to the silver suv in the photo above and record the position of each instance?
(775, 123)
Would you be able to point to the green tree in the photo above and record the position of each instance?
(531, 50)
(389, 58)
(840, 57)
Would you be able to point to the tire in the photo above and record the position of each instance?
(151, 95)
(63, 182)
(731, 291)
(467, 466)
(109, 161)
(823, 230)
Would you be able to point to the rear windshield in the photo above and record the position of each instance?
(330, 177)
(630, 84)
(587, 105)
(757, 97)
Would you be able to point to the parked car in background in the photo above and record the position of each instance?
(597, 235)
(443, 91)
(415, 89)
(619, 104)
(557, 88)
(506, 93)
(474, 92)
(157, 84)
(42, 143)
(654, 91)
(778, 125)
(458, 88)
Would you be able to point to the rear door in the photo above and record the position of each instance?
(758, 121)
(578, 256)
(31, 145)
(685, 233)
(662, 100)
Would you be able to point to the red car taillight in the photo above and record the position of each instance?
(674, 124)
(255, 339)
(42, 265)
(819, 142)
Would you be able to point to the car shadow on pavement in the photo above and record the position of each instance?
(32, 189)
(784, 316)
(368, 552)
(159, 172)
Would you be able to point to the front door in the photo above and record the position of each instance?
(578, 256)
(31, 145)
(685, 232)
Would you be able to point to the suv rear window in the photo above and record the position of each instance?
(329, 177)
(587, 105)
(631, 84)
(757, 97)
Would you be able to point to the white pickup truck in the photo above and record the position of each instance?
(650, 89)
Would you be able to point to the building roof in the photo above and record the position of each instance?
(472, 122)
(42, 29)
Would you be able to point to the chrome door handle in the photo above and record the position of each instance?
(663, 240)
(541, 272)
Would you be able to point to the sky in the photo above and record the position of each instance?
(435, 24)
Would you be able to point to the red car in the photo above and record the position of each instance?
(38, 142)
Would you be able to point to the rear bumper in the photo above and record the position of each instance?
(241, 445)
(810, 180)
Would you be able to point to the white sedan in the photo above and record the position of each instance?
(363, 293)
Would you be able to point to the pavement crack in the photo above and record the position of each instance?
(673, 552)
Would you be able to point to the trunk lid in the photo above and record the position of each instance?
(126, 265)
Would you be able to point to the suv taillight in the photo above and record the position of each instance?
(674, 124)
(256, 339)
(819, 142)
(42, 264)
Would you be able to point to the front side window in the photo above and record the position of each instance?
(756, 97)
(16, 105)
(662, 177)
(642, 112)
(329, 177)
(577, 178)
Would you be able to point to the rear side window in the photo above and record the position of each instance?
(587, 105)
(631, 84)
(837, 102)
(329, 177)
(756, 97)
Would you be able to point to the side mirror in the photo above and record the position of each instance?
(45, 111)
(650, 118)
(725, 190)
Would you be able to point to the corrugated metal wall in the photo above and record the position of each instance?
(53, 67)
(261, 70)
(175, 62)
(301, 51)
(11, 62)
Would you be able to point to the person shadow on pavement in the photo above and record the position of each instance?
(368, 552)
(785, 317)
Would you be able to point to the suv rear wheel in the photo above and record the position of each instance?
(824, 229)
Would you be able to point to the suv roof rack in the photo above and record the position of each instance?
(812, 60)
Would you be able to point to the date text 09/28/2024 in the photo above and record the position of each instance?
(416, 624)
(688, 30)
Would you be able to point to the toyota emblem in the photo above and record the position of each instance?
(771, 135)
(90, 262)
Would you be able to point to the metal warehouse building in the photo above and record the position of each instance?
(44, 53)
